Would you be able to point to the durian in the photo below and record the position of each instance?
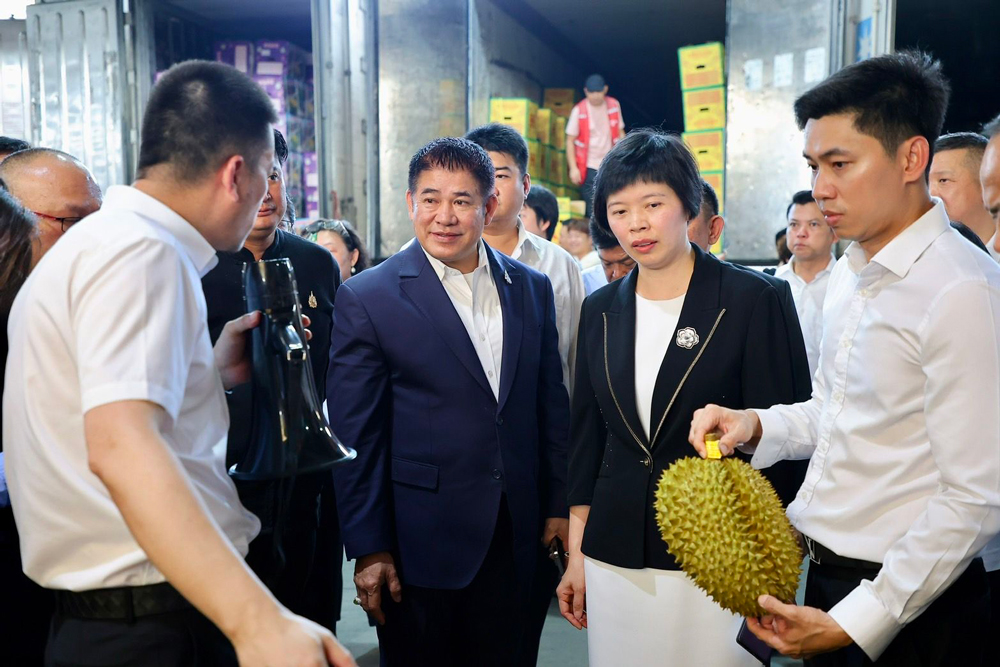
(724, 524)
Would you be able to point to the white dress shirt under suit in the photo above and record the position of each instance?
(808, 299)
(903, 425)
(477, 302)
(114, 312)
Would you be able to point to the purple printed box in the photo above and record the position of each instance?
(310, 171)
(280, 58)
(238, 54)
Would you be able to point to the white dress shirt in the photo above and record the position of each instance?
(808, 299)
(114, 312)
(567, 286)
(477, 302)
(594, 278)
(903, 424)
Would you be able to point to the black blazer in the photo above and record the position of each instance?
(745, 355)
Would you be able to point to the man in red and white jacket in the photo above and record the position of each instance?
(594, 126)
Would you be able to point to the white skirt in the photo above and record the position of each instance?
(640, 618)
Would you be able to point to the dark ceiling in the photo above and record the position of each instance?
(633, 43)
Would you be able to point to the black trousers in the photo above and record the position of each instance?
(480, 624)
(990, 656)
(543, 588)
(587, 190)
(951, 631)
(176, 639)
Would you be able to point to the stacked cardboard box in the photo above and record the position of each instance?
(704, 93)
(284, 71)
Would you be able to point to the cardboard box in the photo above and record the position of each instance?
(705, 109)
(543, 126)
(717, 180)
(559, 132)
(708, 149)
(536, 158)
(281, 58)
(518, 112)
(565, 212)
(238, 54)
(560, 100)
(558, 170)
(702, 65)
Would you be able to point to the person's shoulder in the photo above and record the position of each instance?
(747, 282)
(555, 254)
(963, 259)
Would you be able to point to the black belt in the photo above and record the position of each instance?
(822, 555)
(121, 604)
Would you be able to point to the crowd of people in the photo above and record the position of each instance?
(512, 401)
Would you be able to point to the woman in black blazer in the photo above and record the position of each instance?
(681, 331)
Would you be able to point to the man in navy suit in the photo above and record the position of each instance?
(445, 376)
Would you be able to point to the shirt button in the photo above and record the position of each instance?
(863, 291)
(482, 337)
(845, 343)
(497, 474)
(837, 397)
(490, 373)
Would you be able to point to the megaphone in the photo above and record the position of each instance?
(289, 434)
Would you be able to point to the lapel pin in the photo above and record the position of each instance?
(312, 300)
(687, 338)
(506, 278)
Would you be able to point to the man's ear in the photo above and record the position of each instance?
(409, 205)
(526, 184)
(231, 173)
(544, 225)
(916, 155)
(492, 202)
(715, 227)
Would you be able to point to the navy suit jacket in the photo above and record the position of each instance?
(436, 449)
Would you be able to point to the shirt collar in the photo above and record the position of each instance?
(790, 268)
(128, 198)
(525, 239)
(441, 269)
(991, 246)
(900, 253)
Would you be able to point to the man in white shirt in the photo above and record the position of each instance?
(114, 413)
(989, 176)
(811, 241)
(955, 180)
(903, 486)
(507, 234)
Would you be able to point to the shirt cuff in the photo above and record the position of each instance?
(869, 624)
(774, 430)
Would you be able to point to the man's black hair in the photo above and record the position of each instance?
(497, 138)
(647, 156)
(709, 200)
(603, 239)
(545, 205)
(12, 145)
(893, 98)
(280, 148)
(961, 140)
(992, 128)
(780, 234)
(800, 198)
(200, 114)
(454, 154)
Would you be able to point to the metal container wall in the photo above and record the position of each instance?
(77, 88)
(14, 87)
(422, 83)
(776, 50)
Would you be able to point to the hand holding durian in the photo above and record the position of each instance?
(723, 522)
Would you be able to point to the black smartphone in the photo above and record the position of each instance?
(753, 645)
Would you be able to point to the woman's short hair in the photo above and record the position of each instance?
(647, 156)
(346, 231)
(18, 232)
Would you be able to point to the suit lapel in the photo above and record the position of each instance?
(699, 318)
(512, 304)
(619, 349)
(421, 284)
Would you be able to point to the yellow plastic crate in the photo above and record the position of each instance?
(560, 100)
(558, 170)
(705, 109)
(717, 179)
(518, 112)
(564, 208)
(702, 65)
(536, 159)
(543, 126)
(708, 149)
(559, 132)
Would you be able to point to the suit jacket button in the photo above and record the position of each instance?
(497, 474)
(499, 421)
(645, 462)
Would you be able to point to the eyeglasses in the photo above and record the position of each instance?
(326, 225)
(64, 223)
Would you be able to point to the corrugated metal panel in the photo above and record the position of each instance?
(77, 83)
(14, 91)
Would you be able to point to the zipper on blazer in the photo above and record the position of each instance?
(684, 379)
(648, 461)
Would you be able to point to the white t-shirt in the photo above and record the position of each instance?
(655, 323)
(600, 132)
(113, 312)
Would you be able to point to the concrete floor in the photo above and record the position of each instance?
(562, 644)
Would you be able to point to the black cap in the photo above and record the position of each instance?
(595, 83)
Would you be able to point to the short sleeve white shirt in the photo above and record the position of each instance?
(114, 312)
